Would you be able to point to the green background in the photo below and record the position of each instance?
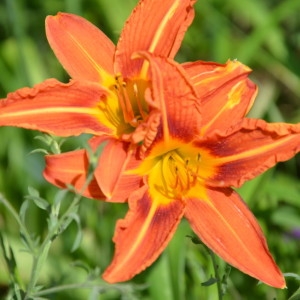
(265, 35)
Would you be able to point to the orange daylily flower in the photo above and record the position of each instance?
(204, 148)
(196, 144)
(107, 96)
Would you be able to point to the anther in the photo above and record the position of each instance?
(118, 76)
(187, 161)
(135, 90)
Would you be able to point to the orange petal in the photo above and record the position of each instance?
(56, 108)
(72, 168)
(225, 93)
(84, 51)
(174, 95)
(155, 26)
(248, 149)
(225, 224)
(200, 70)
(115, 159)
(142, 235)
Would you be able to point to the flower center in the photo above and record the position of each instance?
(179, 172)
(175, 169)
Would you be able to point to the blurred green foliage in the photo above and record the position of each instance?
(265, 35)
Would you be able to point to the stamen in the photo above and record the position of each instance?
(196, 175)
(180, 172)
(177, 178)
(130, 114)
(124, 100)
(166, 167)
(187, 161)
(138, 101)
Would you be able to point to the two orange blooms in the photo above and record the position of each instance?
(176, 139)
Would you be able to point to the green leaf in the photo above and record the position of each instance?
(225, 277)
(82, 265)
(78, 238)
(39, 150)
(33, 192)
(210, 281)
(176, 252)
(41, 203)
(286, 217)
(195, 240)
(51, 142)
(11, 263)
(293, 275)
(23, 210)
(34, 195)
(43, 255)
(296, 295)
(55, 209)
(8, 256)
(160, 285)
(280, 184)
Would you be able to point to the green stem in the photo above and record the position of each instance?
(42, 254)
(72, 286)
(64, 287)
(217, 276)
(122, 288)
(23, 228)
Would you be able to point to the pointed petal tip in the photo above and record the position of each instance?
(277, 282)
(272, 277)
(165, 30)
(84, 50)
(50, 19)
(235, 235)
(234, 64)
(280, 282)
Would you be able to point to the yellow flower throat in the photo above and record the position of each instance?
(172, 169)
(179, 172)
